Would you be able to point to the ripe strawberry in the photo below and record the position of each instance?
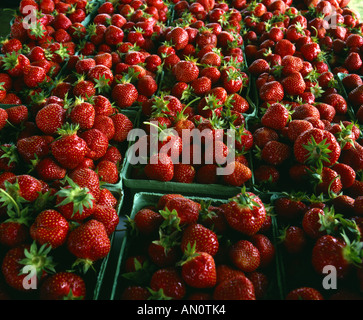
(147, 221)
(239, 288)
(107, 171)
(198, 269)
(185, 210)
(124, 94)
(304, 293)
(289, 207)
(89, 242)
(96, 141)
(184, 173)
(293, 239)
(307, 144)
(135, 293)
(160, 167)
(50, 118)
(49, 170)
(239, 175)
(74, 202)
(272, 91)
(167, 283)
(17, 114)
(50, 228)
(276, 116)
(106, 198)
(83, 114)
(24, 186)
(337, 252)
(204, 239)
(33, 147)
(33, 76)
(3, 118)
(293, 84)
(245, 213)
(185, 71)
(69, 149)
(275, 152)
(14, 232)
(63, 286)
(244, 255)
(17, 258)
(123, 125)
(265, 247)
(107, 215)
(328, 181)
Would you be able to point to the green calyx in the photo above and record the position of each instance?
(38, 259)
(245, 200)
(80, 197)
(68, 129)
(318, 153)
(353, 250)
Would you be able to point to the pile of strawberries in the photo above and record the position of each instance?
(283, 77)
(198, 249)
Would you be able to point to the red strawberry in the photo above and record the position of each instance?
(50, 228)
(245, 256)
(275, 152)
(63, 286)
(167, 283)
(304, 293)
(204, 239)
(21, 256)
(265, 247)
(199, 269)
(13, 232)
(240, 288)
(305, 147)
(75, 202)
(107, 171)
(31, 148)
(123, 125)
(24, 186)
(17, 114)
(185, 210)
(124, 94)
(240, 174)
(50, 118)
(49, 170)
(34, 76)
(148, 221)
(160, 167)
(185, 71)
(89, 242)
(3, 118)
(83, 114)
(293, 84)
(332, 251)
(184, 173)
(245, 212)
(272, 91)
(107, 215)
(293, 239)
(276, 116)
(69, 149)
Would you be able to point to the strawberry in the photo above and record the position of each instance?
(89, 242)
(86, 178)
(276, 116)
(135, 293)
(185, 71)
(245, 213)
(204, 239)
(245, 256)
(289, 207)
(226, 272)
(124, 94)
(327, 181)
(317, 146)
(198, 269)
(50, 228)
(17, 114)
(275, 153)
(167, 284)
(107, 171)
(239, 288)
(107, 215)
(75, 202)
(17, 258)
(123, 125)
(83, 114)
(14, 231)
(33, 76)
(50, 118)
(184, 173)
(304, 293)
(239, 175)
(96, 141)
(49, 170)
(338, 252)
(3, 118)
(293, 239)
(265, 247)
(106, 198)
(69, 149)
(147, 221)
(160, 167)
(23, 186)
(186, 211)
(293, 84)
(272, 91)
(31, 148)
(63, 286)
(296, 127)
